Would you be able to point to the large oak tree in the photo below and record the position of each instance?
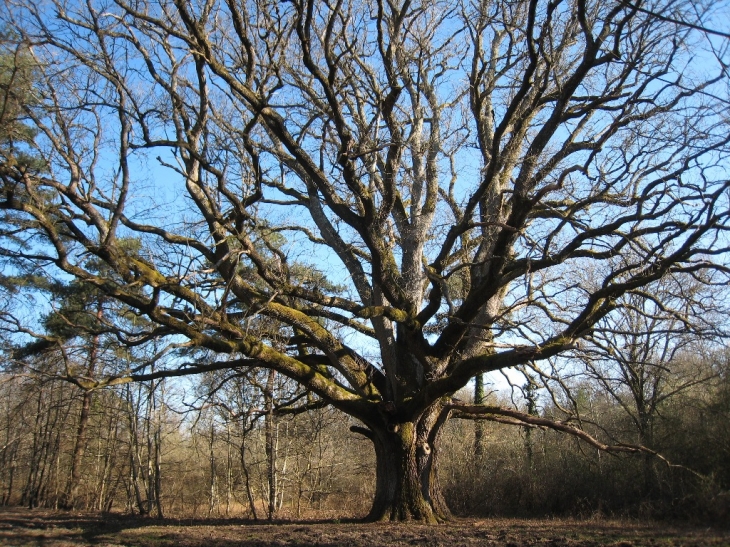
(380, 200)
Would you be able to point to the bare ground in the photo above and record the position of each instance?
(23, 527)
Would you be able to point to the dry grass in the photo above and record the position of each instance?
(22, 527)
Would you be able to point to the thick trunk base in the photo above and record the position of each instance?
(407, 487)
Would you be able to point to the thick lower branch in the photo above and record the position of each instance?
(362, 431)
(515, 417)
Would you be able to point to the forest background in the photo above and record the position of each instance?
(145, 454)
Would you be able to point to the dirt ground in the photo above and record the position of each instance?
(22, 527)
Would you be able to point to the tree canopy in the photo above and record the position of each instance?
(379, 200)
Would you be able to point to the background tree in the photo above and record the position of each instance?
(79, 333)
(17, 75)
(449, 166)
(647, 351)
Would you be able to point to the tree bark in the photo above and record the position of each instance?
(74, 480)
(270, 425)
(478, 424)
(70, 493)
(246, 475)
(407, 485)
(213, 483)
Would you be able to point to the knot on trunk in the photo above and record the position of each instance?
(388, 407)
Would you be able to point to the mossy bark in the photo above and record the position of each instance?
(407, 486)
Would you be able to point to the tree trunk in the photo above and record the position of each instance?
(158, 468)
(407, 485)
(270, 425)
(246, 476)
(74, 480)
(646, 438)
(135, 458)
(478, 424)
(70, 493)
(213, 488)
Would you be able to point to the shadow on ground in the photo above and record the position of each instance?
(21, 527)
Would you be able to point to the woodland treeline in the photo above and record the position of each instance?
(232, 453)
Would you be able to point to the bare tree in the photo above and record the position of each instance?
(646, 351)
(145, 448)
(401, 191)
